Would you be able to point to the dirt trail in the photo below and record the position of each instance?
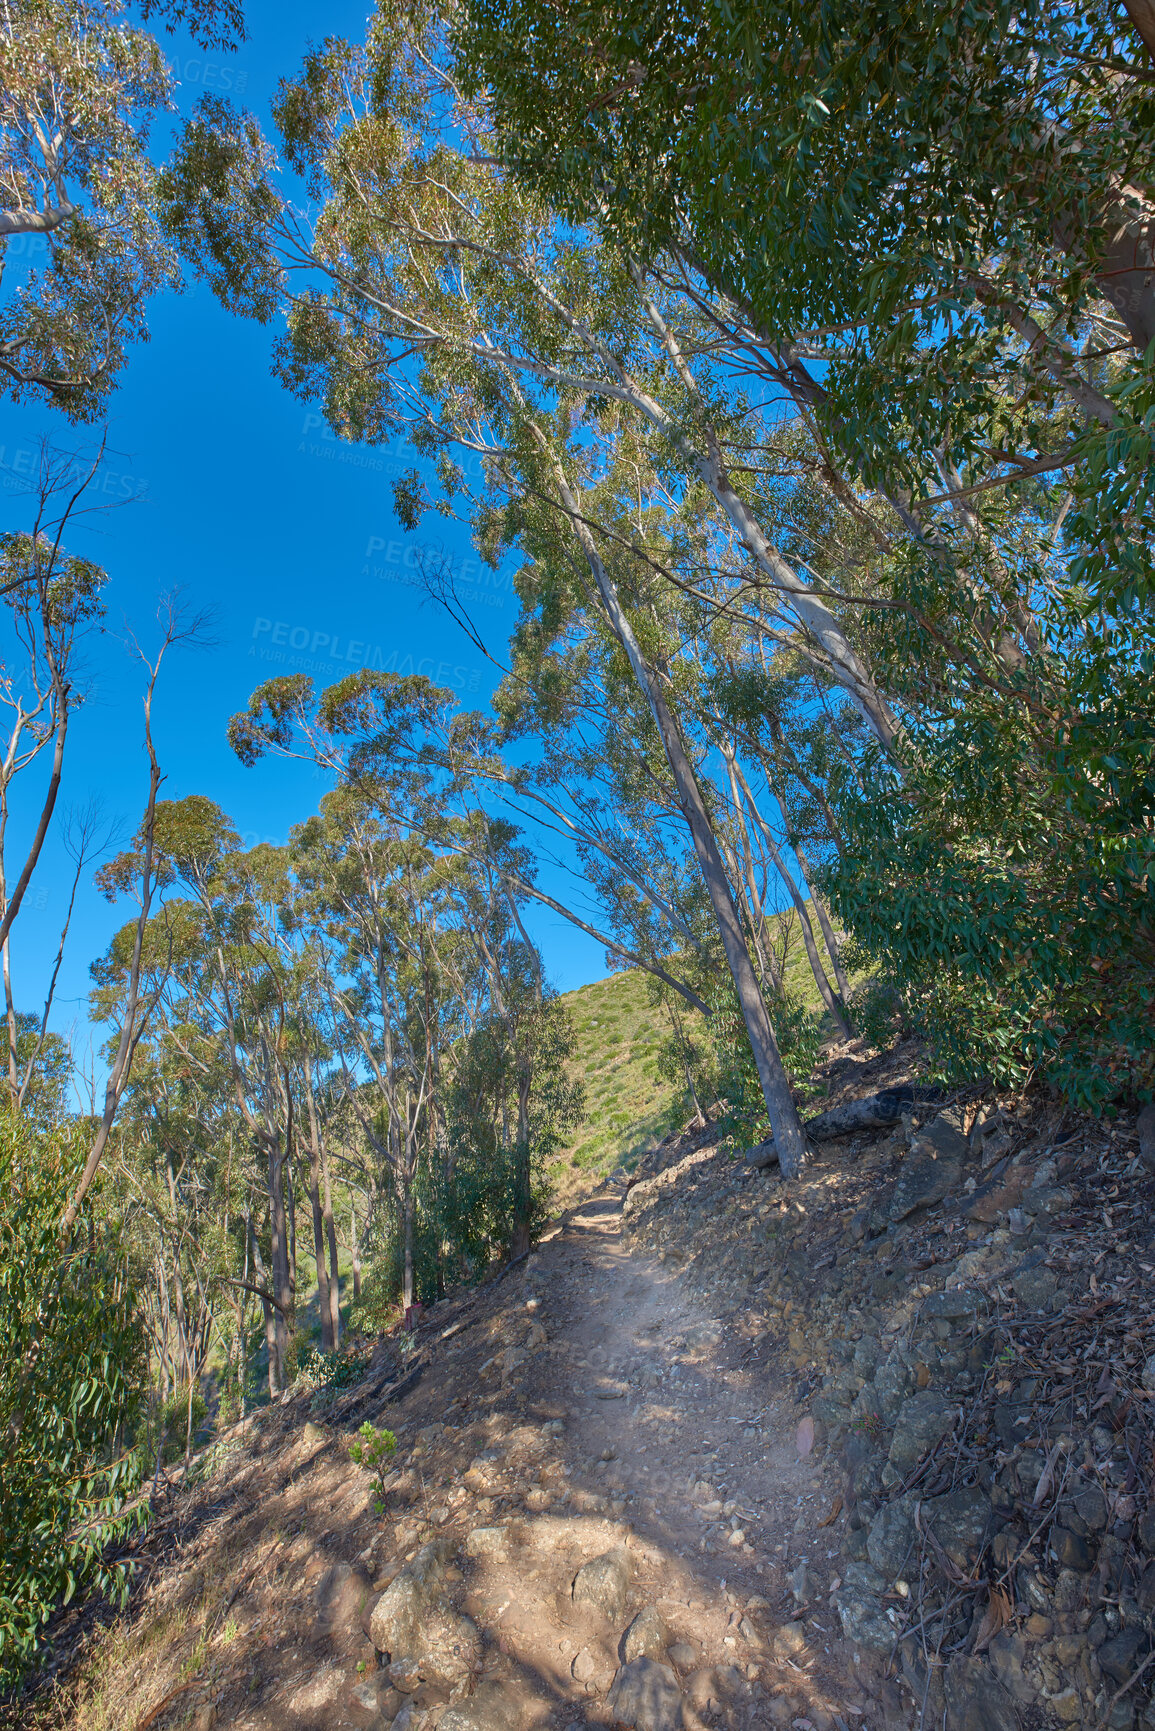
(584, 1407)
(700, 1452)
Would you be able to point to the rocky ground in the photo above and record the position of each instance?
(874, 1449)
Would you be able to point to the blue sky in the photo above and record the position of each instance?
(245, 503)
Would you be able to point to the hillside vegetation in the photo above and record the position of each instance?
(631, 1100)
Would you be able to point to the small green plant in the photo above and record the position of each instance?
(371, 1448)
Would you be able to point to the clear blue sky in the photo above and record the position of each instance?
(251, 509)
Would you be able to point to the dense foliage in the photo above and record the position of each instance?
(73, 1369)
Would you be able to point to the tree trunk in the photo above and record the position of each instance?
(828, 933)
(354, 1252)
(272, 1318)
(787, 1130)
(289, 1186)
(407, 1244)
(522, 1198)
(835, 1009)
(278, 1229)
(323, 1306)
(327, 1342)
(334, 1269)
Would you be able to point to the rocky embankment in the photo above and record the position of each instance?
(964, 1310)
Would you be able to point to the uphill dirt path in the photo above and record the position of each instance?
(583, 1410)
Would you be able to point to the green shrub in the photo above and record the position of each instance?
(372, 1448)
(72, 1371)
(1013, 929)
(332, 1371)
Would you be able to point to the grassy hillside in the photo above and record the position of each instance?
(629, 1108)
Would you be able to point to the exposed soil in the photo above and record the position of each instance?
(586, 1402)
(871, 1449)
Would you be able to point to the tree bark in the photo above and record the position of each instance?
(407, 1249)
(278, 1231)
(828, 933)
(834, 1007)
(334, 1288)
(780, 1107)
(520, 1238)
(1142, 16)
(271, 1316)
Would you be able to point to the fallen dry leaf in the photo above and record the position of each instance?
(997, 1615)
(833, 1515)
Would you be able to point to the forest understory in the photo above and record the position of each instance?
(872, 1449)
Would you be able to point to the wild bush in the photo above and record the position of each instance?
(72, 1372)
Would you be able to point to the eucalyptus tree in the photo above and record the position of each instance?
(81, 87)
(414, 895)
(981, 172)
(521, 336)
(53, 602)
(221, 963)
(385, 895)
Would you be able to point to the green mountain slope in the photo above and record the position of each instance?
(629, 1106)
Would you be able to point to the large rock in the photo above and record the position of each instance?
(859, 1602)
(1120, 1656)
(487, 1542)
(955, 1304)
(646, 1696)
(976, 1700)
(418, 1591)
(892, 1540)
(928, 1175)
(923, 1421)
(414, 1623)
(893, 1381)
(960, 1522)
(604, 1582)
(1090, 1508)
(1035, 1287)
(1008, 1652)
(996, 1197)
(646, 1637)
(1072, 1550)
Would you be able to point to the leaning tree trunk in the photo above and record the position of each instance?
(780, 1108)
(280, 1254)
(334, 1283)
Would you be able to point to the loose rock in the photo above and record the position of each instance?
(646, 1696)
(976, 1700)
(604, 1583)
(646, 1636)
